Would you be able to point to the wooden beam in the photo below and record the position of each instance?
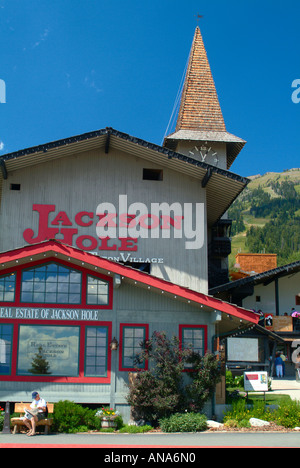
(207, 177)
(107, 140)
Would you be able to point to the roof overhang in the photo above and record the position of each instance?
(55, 250)
(222, 187)
(265, 278)
(253, 330)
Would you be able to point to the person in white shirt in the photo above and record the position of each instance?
(39, 405)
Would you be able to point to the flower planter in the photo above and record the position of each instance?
(108, 422)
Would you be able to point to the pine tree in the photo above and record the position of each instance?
(39, 364)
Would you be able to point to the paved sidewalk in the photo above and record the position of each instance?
(287, 386)
(145, 445)
(125, 443)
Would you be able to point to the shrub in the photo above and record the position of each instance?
(229, 379)
(119, 422)
(240, 411)
(151, 398)
(288, 414)
(205, 376)
(234, 382)
(157, 393)
(231, 423)
(166, 389)
(69, 417)
(239, 381)
(135, 429)
(186, 422)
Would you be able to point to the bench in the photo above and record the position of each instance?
(17, 423)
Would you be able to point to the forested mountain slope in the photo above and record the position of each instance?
(266, 217)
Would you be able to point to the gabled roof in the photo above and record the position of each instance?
(200, 116)
(222, 186)
(54, 249)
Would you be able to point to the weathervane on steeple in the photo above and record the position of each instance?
(198, 18)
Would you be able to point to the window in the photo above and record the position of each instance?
(132, 340)
(97, 291)
(7, 288)
(48, 350)
(56, 283)
(16, 187)
(297, 299)
(6, 334)
(64, 352)
(96, 351)
(152, 174)
(193, 337)
(51, 283)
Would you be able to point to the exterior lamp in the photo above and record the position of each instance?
(114, 344)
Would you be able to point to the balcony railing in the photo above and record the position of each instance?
(281, 323)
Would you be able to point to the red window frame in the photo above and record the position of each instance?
(131, 325)
(82, 305)
(82, 324)
(13, 377)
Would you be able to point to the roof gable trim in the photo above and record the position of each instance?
(54, 248)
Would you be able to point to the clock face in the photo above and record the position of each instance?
(206, 154)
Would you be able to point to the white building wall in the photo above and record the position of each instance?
(289, 287)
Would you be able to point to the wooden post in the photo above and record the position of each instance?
(6, 425)
(276, 297)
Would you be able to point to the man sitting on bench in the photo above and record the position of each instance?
(39, 412)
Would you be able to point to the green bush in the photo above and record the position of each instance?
(165, 388)
(1, 421)
(229, 379)
(69, 417)
(288, 414)
(187, 422)
(135, 429)
(234, 382)
(240, 411)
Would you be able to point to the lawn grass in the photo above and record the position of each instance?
(271, 398)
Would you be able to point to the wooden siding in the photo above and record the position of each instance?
(80, 182)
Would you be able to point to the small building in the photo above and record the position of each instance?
(253, 349)
(276, 294)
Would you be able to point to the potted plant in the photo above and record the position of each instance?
(108, 417)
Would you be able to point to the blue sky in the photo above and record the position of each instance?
(74, 66)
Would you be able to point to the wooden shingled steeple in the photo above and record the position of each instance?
(200, 119)
(199, 108)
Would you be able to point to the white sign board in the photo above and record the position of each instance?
(242, 349)
(256, 381)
